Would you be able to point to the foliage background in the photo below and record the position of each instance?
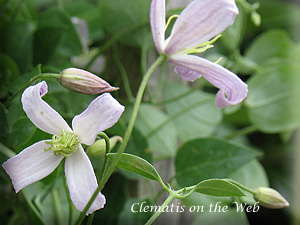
(113, 40)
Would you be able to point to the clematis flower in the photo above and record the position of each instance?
(194, 31)
(40, 159)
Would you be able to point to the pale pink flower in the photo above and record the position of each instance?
(198, 23)
(40, 159)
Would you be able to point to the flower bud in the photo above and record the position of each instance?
(84, 82)
(99, 147)
(270, 198)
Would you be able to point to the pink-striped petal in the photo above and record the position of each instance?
(232, 89)
(82, 182)
(200, 21)
(30, 165)
(158, 23)
(100, 115)
(40, 113)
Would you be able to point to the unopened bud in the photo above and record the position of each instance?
(84, 82)
(99, 147)
(270, 198)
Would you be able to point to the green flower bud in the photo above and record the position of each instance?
(84, 82)
(99, 147)
(270, 198)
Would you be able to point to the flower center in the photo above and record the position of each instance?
(64, 144)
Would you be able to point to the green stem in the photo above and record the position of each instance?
(90, 219)
(124, 75)
(6, 151)
(34, 209)
(31, 81)
(242, 132)
(57, 207)
(144, 52)
(133, 118)
(69, 201)
(107, 150)
(126, 136)
(241, 186)
(158, 212)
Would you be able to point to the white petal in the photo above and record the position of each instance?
(40, 113)
(158, 23)
(228, 83)
(100, 115)
(81, 181)
(200, 21)
(31, 164)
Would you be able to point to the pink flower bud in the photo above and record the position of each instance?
(270, 198)
(84, 82)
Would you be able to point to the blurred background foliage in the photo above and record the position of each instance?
(112, 38)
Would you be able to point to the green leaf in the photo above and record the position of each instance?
(218, 187)
(3, 124)
(136, 165)
(157, 128)
(208, 158)
(194, 113)
(269, 45)
(277, 13)
(120, 15)
(21, 132)
(273, 100)
(137, 145)
(55, 29)
(17, 43)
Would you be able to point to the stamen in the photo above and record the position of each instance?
(200, 48)
(219, 60)
(169, 21)
(64, 144)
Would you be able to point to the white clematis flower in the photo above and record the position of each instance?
(40, 159)
(198, 23)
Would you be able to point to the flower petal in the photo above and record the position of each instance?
(81, 181)
(186, 73)
(100, 115)
(228, 83)
(40, 113)
(30, 165)
(158, 23)
(200, 21)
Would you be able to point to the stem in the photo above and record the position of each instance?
(31, 81)
(6, 151)
(132, 119)
(124, 76)
(69, 202)
(241, 132)
(126, 136)
(107, 150)
(57, 207)
(34, 209)
(241, 186)
(144, 52)
(158, 212)
(90, 219)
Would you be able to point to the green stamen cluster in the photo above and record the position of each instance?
(64, 144)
